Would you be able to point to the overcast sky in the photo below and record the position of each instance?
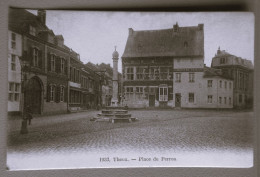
(94, 34)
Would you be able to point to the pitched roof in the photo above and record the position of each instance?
(235, 60)
(185, 41)
(19, 19)
(212, 72)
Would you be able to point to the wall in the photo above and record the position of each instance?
(14, 75)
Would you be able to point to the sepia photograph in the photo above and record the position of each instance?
(115, 89)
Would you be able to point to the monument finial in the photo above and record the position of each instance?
(115, 47)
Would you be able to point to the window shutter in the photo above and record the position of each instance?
(65, 94)
(65, 66)
(58, 65)
(40, 59)
(157, 94)
(25, 56)
(48, 93)
(30, 57)
(57, 94)
(49, 61)
(170, 96)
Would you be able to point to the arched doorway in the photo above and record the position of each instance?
(33, 95)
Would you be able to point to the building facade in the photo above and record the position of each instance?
(165, 68)
(153, 58)
(55, 80)
(14, 71)
(241, 71)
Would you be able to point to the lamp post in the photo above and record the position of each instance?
(25, 68)
(101, 74)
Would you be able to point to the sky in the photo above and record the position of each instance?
(94, 35)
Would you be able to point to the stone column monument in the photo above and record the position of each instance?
(114, 100)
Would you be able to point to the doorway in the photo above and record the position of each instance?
(151, 100)
(33, 95)
(177, 100)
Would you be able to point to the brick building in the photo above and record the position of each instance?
(45, 87)
(56, 80)
(241, 71)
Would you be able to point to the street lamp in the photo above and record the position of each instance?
(25, 68)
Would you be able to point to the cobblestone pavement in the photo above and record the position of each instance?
(157, 130)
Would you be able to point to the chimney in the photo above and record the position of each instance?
(201, 26)
(175, 27)
(42, 16)
(131, 31)
(218, 52)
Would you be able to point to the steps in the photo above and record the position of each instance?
(114, 115)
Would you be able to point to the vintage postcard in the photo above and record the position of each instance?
(97, 89)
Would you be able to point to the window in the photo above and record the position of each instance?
(209, 83)
(62, 67)
(139, 92)
(225, 100)
(210, 98)
(129, 93)
(220, 84)
(223, 60)
(241, 80)
(230, 85)
(178, 77)
(14, 91)
(225, 84)
(13, 41)
(53, 63)
(129, 89)
(164, 71)
(139, 73)
(130, 73)
(191, 97)
(13, 63)
(35, 57)
(62, 93)
(32, 31)
(230, 101)
(191, 77)
(163, 94)
(220, 100)
(52, 92)
(152, 73)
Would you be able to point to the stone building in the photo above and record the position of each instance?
(151, 59)
(241, 71)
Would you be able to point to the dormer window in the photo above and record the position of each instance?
(223, 60)
(32, 30)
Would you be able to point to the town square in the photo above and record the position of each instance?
(100, 90)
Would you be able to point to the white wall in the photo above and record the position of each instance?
(14, 75)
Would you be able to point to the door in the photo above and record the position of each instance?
(177, 100)
(33, 95)
(151, 100)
